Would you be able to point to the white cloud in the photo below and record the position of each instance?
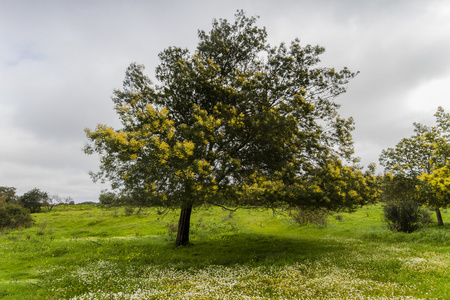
(427, 97)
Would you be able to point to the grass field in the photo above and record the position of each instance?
(84, 252)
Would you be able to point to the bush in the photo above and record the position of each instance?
(305, 216)
(405, 216)
(14, 216)
(128, 210)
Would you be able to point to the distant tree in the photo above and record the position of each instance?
(57, 200)
(85, 203)
(112, 199)
(52, 201)
(411, 164)
(239, 122)
(67, 201)
(33, 200)
(7, 194)
(108, 198)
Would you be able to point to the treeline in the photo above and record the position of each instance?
(15, 210)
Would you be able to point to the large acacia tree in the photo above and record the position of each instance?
(238, 122)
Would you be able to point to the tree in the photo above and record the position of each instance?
(33, 200)
(411, 164)
(7, 194)
(52, 201)
(238, 122)
(435, 189)
(108, 198)
(434, 186)
(68, 201)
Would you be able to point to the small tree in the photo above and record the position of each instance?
(7, 194)
(434, 189)
(108, 198)
(57, 200)
(68, 201)
(238, 122)
(52, 201)
(33, 200)
(412, 163)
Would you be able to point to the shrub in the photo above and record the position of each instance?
(405, 216)
(128, 210)
(14, 216)
(305, 216)
(340, 218)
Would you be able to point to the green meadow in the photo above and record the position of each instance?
(86, 252)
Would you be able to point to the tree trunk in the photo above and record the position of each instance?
(439, 217)
(183, 225)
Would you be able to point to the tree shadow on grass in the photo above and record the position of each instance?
(251, 249)
(248, 249)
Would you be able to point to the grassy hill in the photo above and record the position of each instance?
(85, 252)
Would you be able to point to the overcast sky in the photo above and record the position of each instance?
(61, 60)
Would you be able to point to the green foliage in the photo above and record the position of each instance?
(417, 168)
(414, 155)
(434, 187)
(398, 188)
(237, 122)
(333, 187)
(33, 200)
(403, 164)
(405, 216)
(7, 194)
(14, 216)
(128, 210)
(108, 198)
